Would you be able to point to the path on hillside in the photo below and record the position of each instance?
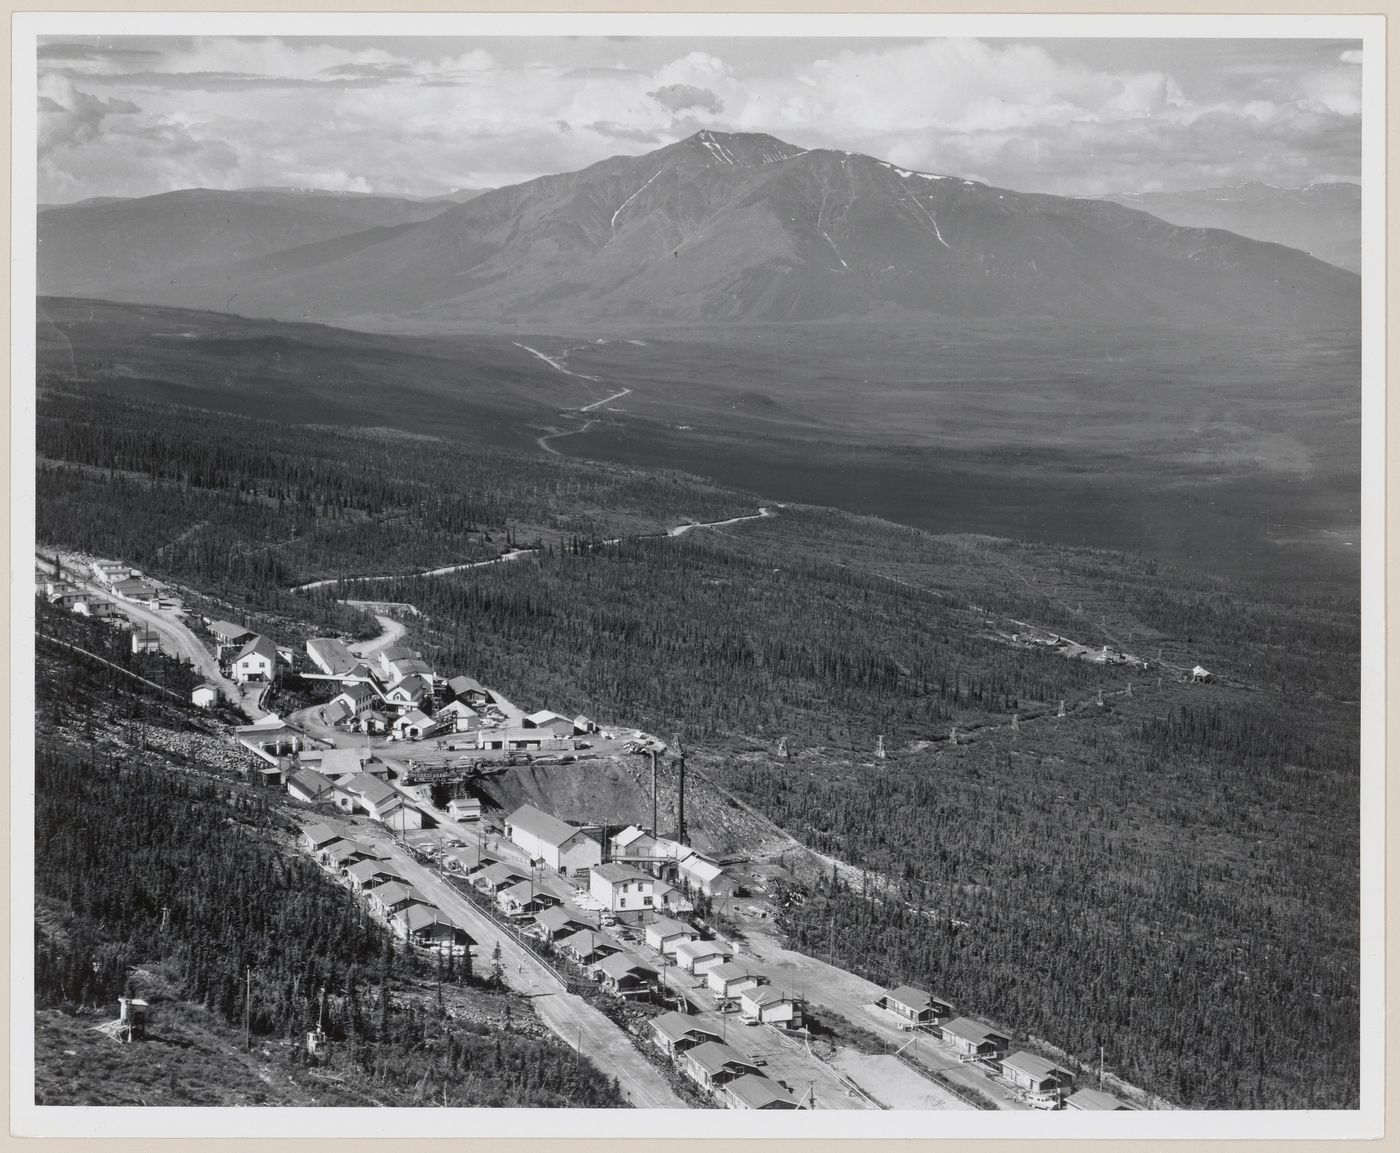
(605, 400)
(764, 513)
(543, 441)
(392, 632)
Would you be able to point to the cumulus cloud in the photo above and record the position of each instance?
(390, 116)
(677, 97)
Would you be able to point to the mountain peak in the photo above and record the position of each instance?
(740, 149)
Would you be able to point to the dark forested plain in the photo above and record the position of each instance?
(1168, 870)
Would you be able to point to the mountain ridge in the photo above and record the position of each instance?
(724, 228)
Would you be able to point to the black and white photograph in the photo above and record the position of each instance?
(588, 567)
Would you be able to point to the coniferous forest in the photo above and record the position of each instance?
(1169, 869)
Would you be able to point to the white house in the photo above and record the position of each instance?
(564, 848)
(551, 723)
(700, 957)
(383, 802)
(205, 696)
(621, 888)
(408, 693)
(705, 876)
(770, 1006)
(459, 717)
(464, 808)
(310, 787)
(256, 661)
(729, 979)
(415, 725)
(664, 935)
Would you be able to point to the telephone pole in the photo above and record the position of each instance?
(248, 1012)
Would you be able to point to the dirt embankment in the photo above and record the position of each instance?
(617, 791)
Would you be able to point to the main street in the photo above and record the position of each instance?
(572, 1018)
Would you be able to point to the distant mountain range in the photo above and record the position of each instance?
(1323, 220)
(717, 228)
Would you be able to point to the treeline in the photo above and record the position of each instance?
(236, 503)
(693, 633)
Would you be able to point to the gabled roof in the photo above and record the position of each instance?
(713, 1056)
(346, 848)
(459, 685)
(258, 646)
(397, 653)
(413, 717)
(228, 628)
(1032, 1064)
(587, 942)
(413, 684)
(627, 836)
(392, 892)
(614, 873)
(731, 971)
(697, 866)
(419, 917)
(411, 667)
(332, 653)
(364, 870)
(970, 1029)
(759, 1092)
(370, 789)
(335, 762)
(524, 891)
(457, 709)
(544, 716)
(765, 995)
(677, 1026)
(698, 950)
(620, 964)
(558, 918)
(320, 834)
(497, 874)
(912, 998)
(666, 927)
(311, 782)
(536, 822)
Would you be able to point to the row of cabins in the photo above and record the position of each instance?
(699, 1052)
(1043, 1083)
(410, 915)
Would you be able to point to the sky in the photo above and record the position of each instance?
(420, 116)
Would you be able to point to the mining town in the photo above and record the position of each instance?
(573, 858)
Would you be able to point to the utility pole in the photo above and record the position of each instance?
(248, 1012)
(680, 813)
